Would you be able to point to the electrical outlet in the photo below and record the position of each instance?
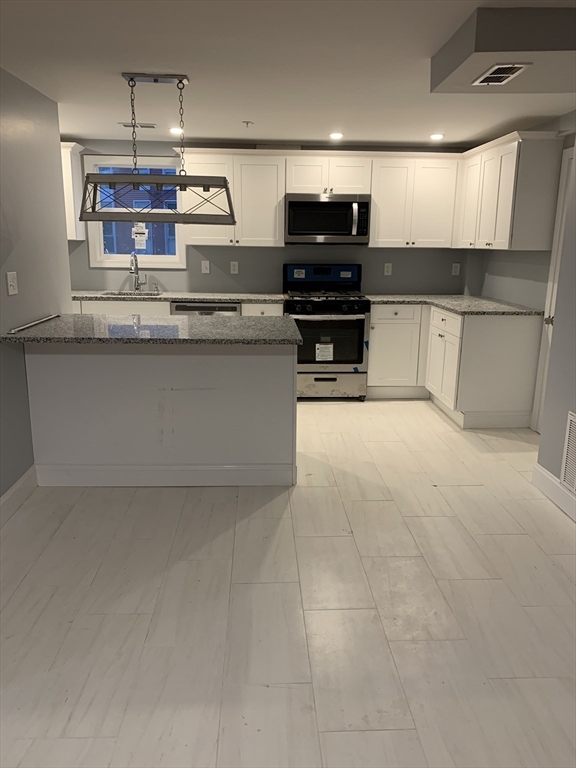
(388, 268)
(205, 267)
(12, 283)
(233, 267)
(456, 268)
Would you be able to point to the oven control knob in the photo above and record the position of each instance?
(344, 307)
(309, 308)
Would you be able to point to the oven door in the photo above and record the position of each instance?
(333, 343)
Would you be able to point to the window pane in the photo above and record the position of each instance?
(118, 234)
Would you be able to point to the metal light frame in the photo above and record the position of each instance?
(102, 190)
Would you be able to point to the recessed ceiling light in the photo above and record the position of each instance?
(336, 135)
(436, 136)
(176, 131)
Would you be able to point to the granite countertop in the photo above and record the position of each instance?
(238, 298)
(460, 305)
(106, 329)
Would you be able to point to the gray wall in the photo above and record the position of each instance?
(33, 244)
(414, 270)
(520, 277)
(561, 383)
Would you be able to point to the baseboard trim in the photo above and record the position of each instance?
(485, 419)
(397, 393)
(17, 494)
(551, 487)
(455, 416)
(162, 476)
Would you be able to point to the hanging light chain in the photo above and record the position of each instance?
(132, 84)
(180, 86)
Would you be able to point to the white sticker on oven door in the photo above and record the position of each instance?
(324, 352)
(299, 273)
(345, 274)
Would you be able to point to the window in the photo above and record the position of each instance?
(110, 242)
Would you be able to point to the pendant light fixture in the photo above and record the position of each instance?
(199, 199)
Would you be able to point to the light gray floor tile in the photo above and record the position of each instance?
(359, 480)
(409, 601)
(478, 510)
(314, 469)
(393, 457)
(331, 573)
(153, 514)
(68, 753)
(264, 551)
(206, 527)
(345, 445)
(567, 564)
(446, 468)
(531, 576)
(504, 639)
(263, 501)
(557, 626)
(318, 512)
(449, 550)
(503, 481)
(268, 726)
(372, 749)
(457, 714)
(356, 686)
(416, 495)
(266, 637)
(380, 530)
(550, 528)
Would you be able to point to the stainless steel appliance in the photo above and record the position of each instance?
(227, 309)
(327, 219)
(332, 316)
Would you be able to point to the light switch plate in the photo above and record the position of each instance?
(205, 267)
(233, 267)
(388, 268)
(12, 283)
(456, 268)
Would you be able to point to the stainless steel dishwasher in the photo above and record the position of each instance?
(205, 308)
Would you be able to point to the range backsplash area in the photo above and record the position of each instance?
(414, 270)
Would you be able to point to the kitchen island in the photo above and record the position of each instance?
(131, 401)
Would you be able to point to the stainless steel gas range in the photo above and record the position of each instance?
(332, 316)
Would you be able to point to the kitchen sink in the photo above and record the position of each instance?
(131, 293)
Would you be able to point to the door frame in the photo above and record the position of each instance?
(552, 289)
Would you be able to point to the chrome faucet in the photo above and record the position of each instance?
(136, 272)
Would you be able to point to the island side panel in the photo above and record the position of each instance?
(163, 415)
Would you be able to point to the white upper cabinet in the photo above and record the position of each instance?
(206, 234)
(73, 189)
(413, 202)
(498, 173)
(259, 185)
(433, 203)
(307, 175)
(321, 175)
(350, 175)
(468, 194)
(392, 193)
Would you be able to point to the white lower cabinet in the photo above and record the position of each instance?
(393, 358)
(143, 308)
(262, 310)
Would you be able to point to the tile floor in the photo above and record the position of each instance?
(409, 603)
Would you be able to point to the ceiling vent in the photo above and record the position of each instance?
(138, 125)
(500, 74)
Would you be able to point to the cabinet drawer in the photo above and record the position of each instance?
(408, 313)
(262, 310)
(446, 320)
(126, 308)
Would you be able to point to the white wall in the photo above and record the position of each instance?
(32, 244)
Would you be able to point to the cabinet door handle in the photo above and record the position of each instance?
(440, 335)
(325, 190)
(371, 327)
(443, 319)
(331, 190)
(395, 313)
(231, 241)
(407, 243)
(413, 242)
(237, 241)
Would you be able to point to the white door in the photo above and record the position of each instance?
(488, 199)
(350, 175)
(206, 234)
(507, 160)
(307, 175)
(450, 370)
(566, 178)
(392, 192)
(433, 204)
(435, 367)
(259, 184)
(393, 357)
(469, 194)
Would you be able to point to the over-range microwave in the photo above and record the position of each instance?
(327, 219)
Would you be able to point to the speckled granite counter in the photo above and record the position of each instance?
(105, 329)
(237, 298)
(460, 305)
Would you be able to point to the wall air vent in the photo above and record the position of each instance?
(568, 474)
(138, 125)
(500, 74)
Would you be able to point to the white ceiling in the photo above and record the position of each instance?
(299, 69)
